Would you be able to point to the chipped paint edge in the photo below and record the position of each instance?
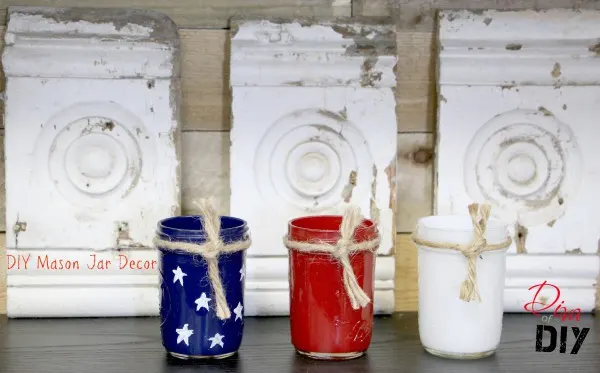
(549, 23)
(118, 295)
(509, 48)
(142, 24)
(90, 43)
(313, 52)
(577, 275)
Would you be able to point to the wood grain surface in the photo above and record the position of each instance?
(406, 283)
(416, 157)
(134, 345)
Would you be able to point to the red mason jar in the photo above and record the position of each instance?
(323, 323)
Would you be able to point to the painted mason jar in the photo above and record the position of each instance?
(194, 323)
(326, 321)
(461, 266)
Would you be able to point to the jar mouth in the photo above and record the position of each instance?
(449, 223)
(325, 223)
(192, 225)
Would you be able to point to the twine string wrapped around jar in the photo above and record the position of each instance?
(210, 251)
(479, 216)
(341, 250)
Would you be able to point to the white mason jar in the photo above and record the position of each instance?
(449, 326)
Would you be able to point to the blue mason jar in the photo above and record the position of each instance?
(189, 326)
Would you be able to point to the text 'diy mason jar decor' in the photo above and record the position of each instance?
(332, 266)
(202, 267)
(462, 265)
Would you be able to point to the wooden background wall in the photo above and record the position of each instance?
(206, 118)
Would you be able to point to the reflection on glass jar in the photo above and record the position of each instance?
(324, 324)
(190, 324)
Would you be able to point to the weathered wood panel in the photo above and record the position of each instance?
(205, 170)
(370, 7)
(406, 282)
(416, 89)
(414, 179)
(206, 100)
(202, 13)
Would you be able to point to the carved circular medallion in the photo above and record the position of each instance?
(306, 158)
(526, 163)
(93, 154)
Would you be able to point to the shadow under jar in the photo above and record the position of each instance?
(189, 326)
(323, 323)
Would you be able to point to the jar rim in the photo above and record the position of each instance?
(162, 225)
(293, 223)
(463, 223)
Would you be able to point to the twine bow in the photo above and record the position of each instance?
(210, 251)
(340, 250)
(479, 217)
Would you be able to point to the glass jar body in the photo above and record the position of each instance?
(449, 326)
(190, 328)
(323, 323)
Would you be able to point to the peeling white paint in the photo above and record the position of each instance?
(300, 54)
(37, 45)
(517, 129)
(91, 132)
(526, 44)
(25, 23)
(311, 105)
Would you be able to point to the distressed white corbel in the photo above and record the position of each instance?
(313, 129)
(92, 157)
(518, 129)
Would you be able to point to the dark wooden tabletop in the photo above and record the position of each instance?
(133, 345)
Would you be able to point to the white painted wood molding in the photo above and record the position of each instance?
(92, 150)
(518, 129)
(127, 289)
(576, 275)
(313, 129)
